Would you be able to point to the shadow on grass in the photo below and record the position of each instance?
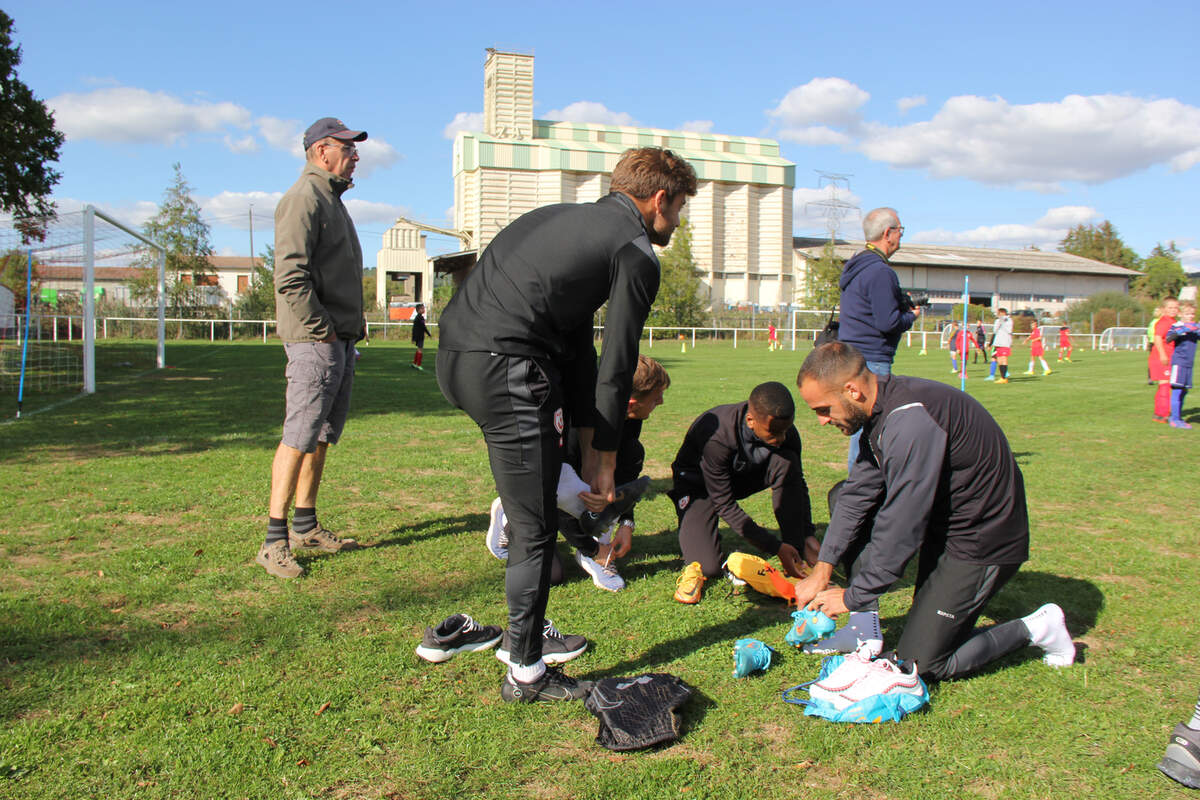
(1081, 602)
(670, 650)
(433, 529)
(211, 394)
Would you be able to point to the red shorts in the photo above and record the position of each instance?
(1036, 349)
(1157, 371)
(1002, 352)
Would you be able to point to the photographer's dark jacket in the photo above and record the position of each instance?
(938, 476)
(873, 315)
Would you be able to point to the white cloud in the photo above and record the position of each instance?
(589, 111)
(230, 209)
(697, 126)
(1045, 232)
(812, 207)
(906, 104)
(369, 212)
(132, 215)
(374, 155)
(246, 144)
(282, 134)
(1086, 139)
(129, 115)
(815, 136)
(827, 101)
(1191, 259)
(469, 121)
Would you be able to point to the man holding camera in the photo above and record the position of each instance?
(874, 311)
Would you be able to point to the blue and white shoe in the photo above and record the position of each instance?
(750, 655)
(496, 537)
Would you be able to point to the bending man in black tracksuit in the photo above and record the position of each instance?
(730, 453)
(935, 476)
(518, 339)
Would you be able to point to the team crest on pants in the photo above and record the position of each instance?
(558, 420)
(683, 502)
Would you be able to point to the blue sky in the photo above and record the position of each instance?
(984, 125)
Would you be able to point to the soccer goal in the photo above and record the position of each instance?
(48, 339)
(1122, 339)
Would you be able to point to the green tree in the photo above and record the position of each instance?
(13, 266)
(368, 289)
(1100, 243)
(258, 301)
(177, 227)
(678, 303)
(30, 144)
(1162, 273)
(1102, 308)
(821, 279)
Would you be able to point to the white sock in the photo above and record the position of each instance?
(1048, 630)
(861, 628)
(1195, 723)
(527, 674)
(569, 487)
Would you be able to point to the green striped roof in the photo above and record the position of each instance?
(577, 146)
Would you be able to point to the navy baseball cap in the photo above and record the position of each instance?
(332, 127)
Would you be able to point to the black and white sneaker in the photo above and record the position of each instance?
(456, 634)
(627, 495)
(557, 648)
(553, 685)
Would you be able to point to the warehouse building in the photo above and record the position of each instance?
(1039, 280)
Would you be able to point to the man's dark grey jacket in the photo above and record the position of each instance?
(939, 473)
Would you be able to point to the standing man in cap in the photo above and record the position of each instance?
(318, 305)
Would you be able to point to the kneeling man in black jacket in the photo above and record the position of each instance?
(935, 476)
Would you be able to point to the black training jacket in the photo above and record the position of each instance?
(938, 469)
(723, 460)
(537, 287)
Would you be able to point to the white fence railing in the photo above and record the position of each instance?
(67, 328)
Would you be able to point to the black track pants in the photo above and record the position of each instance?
(517, 403)
(939, 632)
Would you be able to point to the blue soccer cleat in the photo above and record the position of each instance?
(750, 655)
(810, 626)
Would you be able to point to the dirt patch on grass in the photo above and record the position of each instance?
(29, 561)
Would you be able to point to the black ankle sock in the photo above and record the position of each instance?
(276, 530)
(304, 520)
(1004, 370)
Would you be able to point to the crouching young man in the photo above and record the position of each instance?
(729, 453)
(935, 476)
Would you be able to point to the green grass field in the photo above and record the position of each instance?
(143, 654)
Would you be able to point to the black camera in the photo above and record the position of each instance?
(910, 300)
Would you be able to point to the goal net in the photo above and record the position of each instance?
(49, 292)
(1122, 339)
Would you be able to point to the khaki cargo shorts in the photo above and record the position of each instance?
(319, 378)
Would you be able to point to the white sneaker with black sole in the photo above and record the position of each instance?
(457, 633)
(557, 648)
(606, 578)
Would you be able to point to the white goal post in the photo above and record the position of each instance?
(90, 213)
